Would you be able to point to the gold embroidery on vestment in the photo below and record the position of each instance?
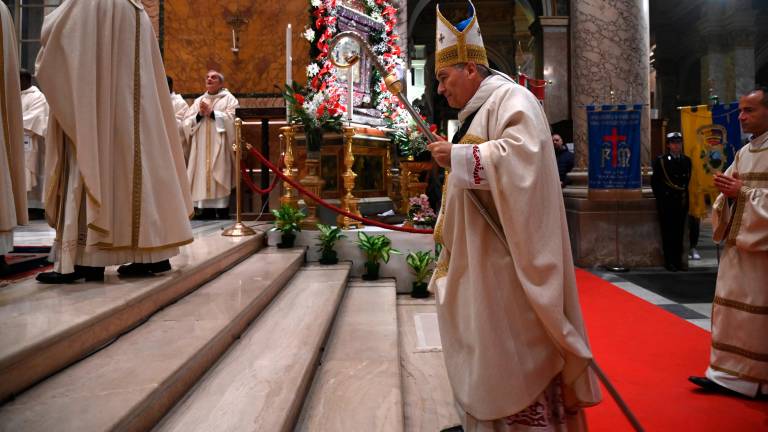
(733, 349)
(759, 310)
(137, 174)
(738, 374)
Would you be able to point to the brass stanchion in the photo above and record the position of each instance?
(239, 229)
(405, 173)
(313, 183)
(290, 197)
(348, 201)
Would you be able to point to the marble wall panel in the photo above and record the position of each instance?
(197, 37)
(153, 10)
(555, 51)
(610, 50)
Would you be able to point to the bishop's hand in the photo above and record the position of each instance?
(205, 109)
(441, 153)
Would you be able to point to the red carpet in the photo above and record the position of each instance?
(648, 353)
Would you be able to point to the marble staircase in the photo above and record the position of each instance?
(44, 328)
(238, 337)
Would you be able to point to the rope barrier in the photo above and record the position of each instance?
(252, 185)
(317, 199)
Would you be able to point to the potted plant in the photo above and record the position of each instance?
(375, 248)
(328, 237)
(420, 214)
(287, 221)
(420, 261)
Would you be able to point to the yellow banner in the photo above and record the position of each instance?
(696, 123)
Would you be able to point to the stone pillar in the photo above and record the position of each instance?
(554, 37)
(610, 49)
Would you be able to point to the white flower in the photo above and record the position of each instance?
(309, 34)
(316, 3)
(366, 99)
(312, 70)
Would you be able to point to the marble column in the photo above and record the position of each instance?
(554, 37)
(610, 48)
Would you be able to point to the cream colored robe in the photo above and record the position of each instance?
(13, 188)
(180, 108)
(116, 190)
(211, 157)
(509, 323)
(740, 308)
(35, 109)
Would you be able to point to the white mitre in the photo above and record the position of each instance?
(456, 46)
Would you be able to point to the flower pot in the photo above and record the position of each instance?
(314, 139)
(419, 290)
(287, 240)
(329, 257)
(371, 271)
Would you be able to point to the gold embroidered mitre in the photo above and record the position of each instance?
(459, 44)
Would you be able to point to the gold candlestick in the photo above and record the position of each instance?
(290, 196)
(348, 201)
(239, 229)
(314, 183)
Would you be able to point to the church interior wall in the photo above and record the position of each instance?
(197, 35)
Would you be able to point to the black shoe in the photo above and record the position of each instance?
(144, 269)
(458, 428)
(222, 213)
(81, 272)
(711, 386)
(670, 267)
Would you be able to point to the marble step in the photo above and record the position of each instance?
(44, 328)
(261, 383)
(427, 394)
(130, 384)
(357, 386)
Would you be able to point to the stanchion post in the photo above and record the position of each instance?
(348, 201)
(239, 229)
(289, 197)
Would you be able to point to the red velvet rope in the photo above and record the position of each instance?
(317, 199)
(252, 185)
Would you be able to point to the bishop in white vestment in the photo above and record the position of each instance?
(514, 341)
(739, 354)
(116, 190)
(35, 110)
(210, 127)
(13, 187)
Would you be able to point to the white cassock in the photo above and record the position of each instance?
(180, 107)
(35, 109)
(13, 188)
(739, 356)
(116, 190)
(508, 309)
(211, 157)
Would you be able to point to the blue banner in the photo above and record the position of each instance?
(614, 147)
(727, 116)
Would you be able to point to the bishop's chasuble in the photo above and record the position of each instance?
(35, 110)
(211, 158)
(508, 310)
(13, 188)
(116, 190)
(180, 107)
(740, 308)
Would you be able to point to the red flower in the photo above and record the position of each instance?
(299, 98)
(432, 128)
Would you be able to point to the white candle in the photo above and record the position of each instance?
(288, 59)
(234, 42)
(351, 96)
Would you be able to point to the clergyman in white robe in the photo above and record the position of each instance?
(13, 188)
(210, 127)
(180, 107)
(116, 190)
(35, 110)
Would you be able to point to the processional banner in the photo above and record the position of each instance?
(614, 146)
(711, 138)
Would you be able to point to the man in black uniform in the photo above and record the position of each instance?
(671, 174)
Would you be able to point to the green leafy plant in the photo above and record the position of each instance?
(287, 219)
(420, 261)
(376, 247)
(327, 239)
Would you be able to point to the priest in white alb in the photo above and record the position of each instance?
(514, 342)
(738, 362)
(13, 188)
(35, 110)
(180, 107)
(210, 127)
(115, 188)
